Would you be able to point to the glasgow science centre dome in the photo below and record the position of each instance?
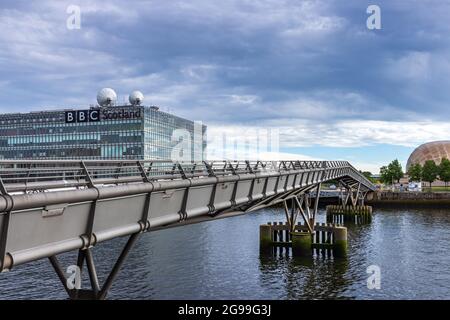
(435, 150)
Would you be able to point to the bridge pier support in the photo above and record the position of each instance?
(85, 255)
(327, 239)
(348, 214)
(301, 244)
(340, 242)
(351, 206)
(265, 238)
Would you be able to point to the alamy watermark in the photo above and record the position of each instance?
(374, 280)
(374, 20)
(73, 21)
(246, 143)
(73, 277)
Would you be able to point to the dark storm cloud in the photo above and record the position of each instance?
(233, 61)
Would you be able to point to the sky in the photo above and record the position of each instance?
(309, 70)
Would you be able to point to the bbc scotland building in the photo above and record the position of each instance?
(105, 131)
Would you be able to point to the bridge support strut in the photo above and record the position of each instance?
(351, 206)
(96, 292)
(300, 204)
(353, 194)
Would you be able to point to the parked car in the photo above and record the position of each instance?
(415, 186)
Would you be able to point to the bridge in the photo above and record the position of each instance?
(56, 206)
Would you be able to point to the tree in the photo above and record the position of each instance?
(415, 172)
(392, 172)
(444, 171)
(385, 175)
(368, 175)
(395, 169)
(430, 171)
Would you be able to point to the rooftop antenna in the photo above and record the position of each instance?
(106, 97)
(136, 98)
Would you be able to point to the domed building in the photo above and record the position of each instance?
(435, 150)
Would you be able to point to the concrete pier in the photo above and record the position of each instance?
(349, 214)
(326, 239)
(340, 242)
(265, 238)
(301, 244)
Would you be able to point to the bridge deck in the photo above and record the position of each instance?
(51, 207)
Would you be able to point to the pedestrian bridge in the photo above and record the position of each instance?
(51, 207)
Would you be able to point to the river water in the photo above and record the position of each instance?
(221, 260)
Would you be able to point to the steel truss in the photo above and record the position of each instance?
(351, 194)
(298, 202)
(295, 203)
(96, 292)
(301, 204)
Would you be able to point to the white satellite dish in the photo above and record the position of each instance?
(106, 97)
(136, 98)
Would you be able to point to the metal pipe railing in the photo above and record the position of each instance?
(26, 175)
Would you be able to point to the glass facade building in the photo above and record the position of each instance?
(119, 132)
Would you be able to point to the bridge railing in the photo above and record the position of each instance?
(32, 175)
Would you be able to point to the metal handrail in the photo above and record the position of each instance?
(50, 174)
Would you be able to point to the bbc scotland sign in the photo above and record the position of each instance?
(95, 115)
(82, 116)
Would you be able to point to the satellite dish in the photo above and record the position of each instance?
(136, 98)
(106, 97)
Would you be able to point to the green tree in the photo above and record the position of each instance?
(430, 171)
(415, 172)
(385, 175)
(368, 175)
(395, 169)
(392, 172)
(444, 171)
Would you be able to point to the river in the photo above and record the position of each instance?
(221, 260)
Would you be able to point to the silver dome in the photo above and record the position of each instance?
(136, 98)
(106, 97)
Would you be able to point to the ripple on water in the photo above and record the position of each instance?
(220, 260)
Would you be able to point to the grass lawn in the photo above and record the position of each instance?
(434, 189)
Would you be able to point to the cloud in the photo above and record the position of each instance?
(310, 68)
(414, 66)
(342, 134)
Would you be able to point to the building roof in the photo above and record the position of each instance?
(435, 150)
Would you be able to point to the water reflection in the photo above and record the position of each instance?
(302, 277)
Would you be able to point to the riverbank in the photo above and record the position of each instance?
(409, 199)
